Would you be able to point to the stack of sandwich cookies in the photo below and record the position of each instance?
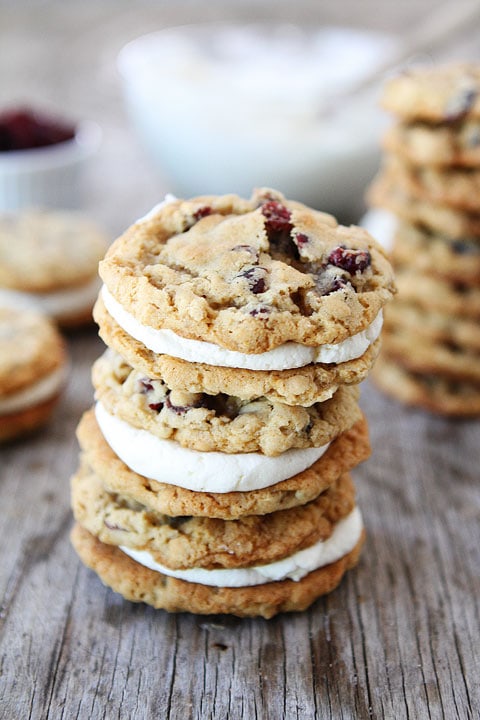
(49, 263)
(430, 181)
(33, 369)
(214, 473)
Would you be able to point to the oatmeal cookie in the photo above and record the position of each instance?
(33, 362)
(386, 193)
(140, 584)
(248, 276)
(436, 146)
(436, 327)
(453, 187)
(346, 451)
(420, 354)
(49, 262)
(187, 541)
(439, 295)
(221, 423)
(457, 261)
(431, 392)
(298, 386)
(436, 94)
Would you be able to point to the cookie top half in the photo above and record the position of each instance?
(248, 275)
(47, 250)
(436, 94)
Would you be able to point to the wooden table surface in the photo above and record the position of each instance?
(400, 636)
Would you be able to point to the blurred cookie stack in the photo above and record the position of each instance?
(214, 473)
(430, 181)
(48, 261)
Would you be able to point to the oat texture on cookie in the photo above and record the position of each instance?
(214, 473)
(430, 182)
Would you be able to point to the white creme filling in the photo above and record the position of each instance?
(345, 536)
(287, 356)
(168, 462)
(35, 393)
(57, 304)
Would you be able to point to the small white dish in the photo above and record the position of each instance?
(48, 176)
(224, 108)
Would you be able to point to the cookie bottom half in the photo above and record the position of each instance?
(140, 584)
(18, 424)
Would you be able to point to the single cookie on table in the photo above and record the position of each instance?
(33, 368)
(420, 354)
(259, 284)
(438, 295)
(287, 488)
(436, 327)
(430, 392)
(435, 94)
(457, 261)
(218, 423)
(385, 192)
(436, 146)
(49, 262)
(304, 386)
(138, 583)
(456, 188)
(187, 542)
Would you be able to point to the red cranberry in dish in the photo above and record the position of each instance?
(25, 129)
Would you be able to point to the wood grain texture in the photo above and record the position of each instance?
(398, 639)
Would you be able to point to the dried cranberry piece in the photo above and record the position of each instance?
(301, 240)
(221, 404)
(350, 260)
(326, 284)
(261, 311)
(145, 385)
(202, 212)
(277, 216)
(113, 526)
(337, 284)
(460, 104)
(177, 522)
(462, 247)
(256, 277)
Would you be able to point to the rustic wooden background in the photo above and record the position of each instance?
(398, 639)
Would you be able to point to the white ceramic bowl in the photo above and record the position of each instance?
(48, 176)
(225, 108)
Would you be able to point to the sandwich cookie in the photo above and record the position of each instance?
(33, 370)
(49, 263)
